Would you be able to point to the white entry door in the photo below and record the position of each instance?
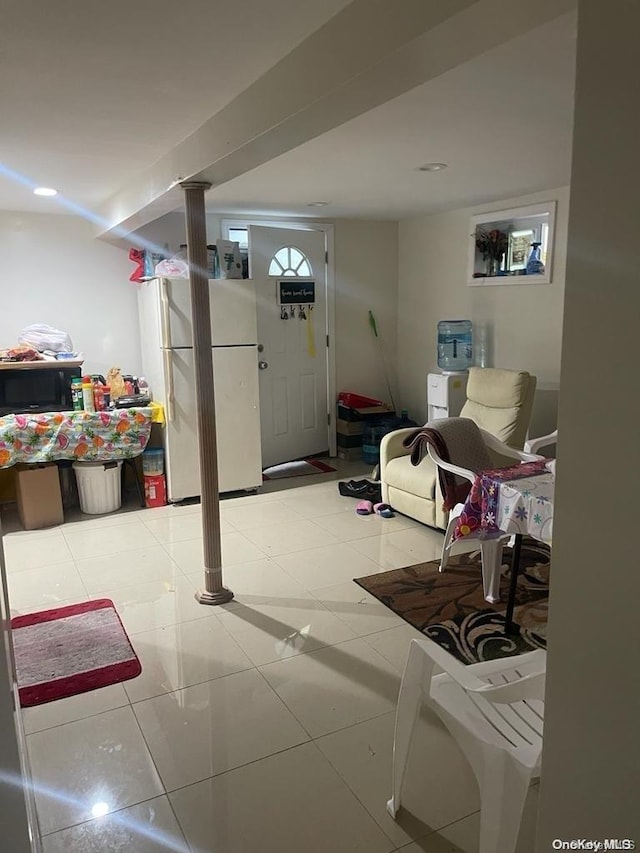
(293, 356)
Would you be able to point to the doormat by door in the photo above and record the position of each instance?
(301, 468)
(71, 650)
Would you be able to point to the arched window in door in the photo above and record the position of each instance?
(290, 261)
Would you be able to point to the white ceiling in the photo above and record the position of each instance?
(502, 122)
(91, 93)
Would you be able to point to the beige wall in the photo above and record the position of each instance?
(366, 279)
(590, 770)
(522, 322)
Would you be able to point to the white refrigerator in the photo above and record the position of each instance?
(168, 365)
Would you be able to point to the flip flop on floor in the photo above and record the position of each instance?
(384, 510)
(364, 508)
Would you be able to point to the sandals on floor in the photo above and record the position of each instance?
(384, 510)
(367, 508)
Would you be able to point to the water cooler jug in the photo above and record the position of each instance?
(455, 345)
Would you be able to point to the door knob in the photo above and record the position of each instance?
(262, 365)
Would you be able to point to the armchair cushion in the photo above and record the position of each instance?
(496, 388)
(392, 446)
(500, 401)
(500, 422)
(418, 480)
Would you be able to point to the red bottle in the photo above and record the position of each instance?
(155, 490)
(98, 397)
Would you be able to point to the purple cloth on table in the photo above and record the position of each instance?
(480, 510)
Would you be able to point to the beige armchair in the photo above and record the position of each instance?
(499, 401)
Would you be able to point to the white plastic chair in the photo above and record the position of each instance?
(495, 711)
(534, 444)
(491, 549)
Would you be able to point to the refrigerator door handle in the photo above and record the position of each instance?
(169, 388)
(166, 320)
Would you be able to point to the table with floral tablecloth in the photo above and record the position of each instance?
(516, 501)
(87, 436)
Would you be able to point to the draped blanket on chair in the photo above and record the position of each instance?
(456, 440)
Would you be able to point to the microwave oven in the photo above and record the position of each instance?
(34, 387)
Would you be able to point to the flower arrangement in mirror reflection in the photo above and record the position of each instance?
(492, 245)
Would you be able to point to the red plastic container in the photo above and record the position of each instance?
(357, 401)
(155, 490)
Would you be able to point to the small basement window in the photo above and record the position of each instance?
(240, 236)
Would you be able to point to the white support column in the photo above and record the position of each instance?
(590, 770)
(214, 592)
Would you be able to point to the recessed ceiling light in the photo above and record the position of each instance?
(317, 204)
(45, 191)
(432, 167)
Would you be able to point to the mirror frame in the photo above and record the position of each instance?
(506, 218)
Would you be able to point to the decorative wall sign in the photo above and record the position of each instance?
(296, 292)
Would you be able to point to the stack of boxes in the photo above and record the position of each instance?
(350, 426)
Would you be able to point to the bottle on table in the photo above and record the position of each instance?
(98, 397)
(88, 403)
(76, 393)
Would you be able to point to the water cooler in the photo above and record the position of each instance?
(446, 394)
(446, 391)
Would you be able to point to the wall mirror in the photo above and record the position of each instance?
(512, 246)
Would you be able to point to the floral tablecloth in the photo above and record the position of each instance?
(90, 436)
(510, 500)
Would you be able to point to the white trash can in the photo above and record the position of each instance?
(98, 486)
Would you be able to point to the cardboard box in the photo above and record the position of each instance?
(350, 454)
(7, 485)
(38, 494)
(349, 427)
(349, 440)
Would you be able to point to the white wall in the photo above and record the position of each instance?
(590, 768)
(522, 323)
(53, 270)
(366, 269)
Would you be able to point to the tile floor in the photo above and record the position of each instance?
(265, 725)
